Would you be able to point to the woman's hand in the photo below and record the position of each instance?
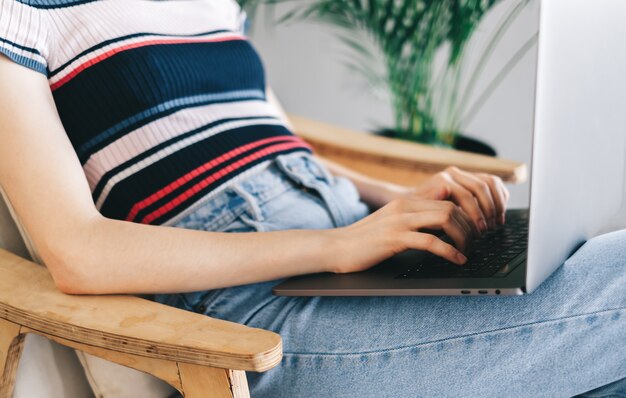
(482, 196)
(398, 227)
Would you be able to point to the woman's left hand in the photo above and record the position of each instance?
(482, 196)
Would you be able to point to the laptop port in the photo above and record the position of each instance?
(466, 292)
(483, 292)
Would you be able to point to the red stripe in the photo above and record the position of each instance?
(131, 46)
(180, 199)
(202, 169)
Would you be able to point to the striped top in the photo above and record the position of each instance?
(163, 101)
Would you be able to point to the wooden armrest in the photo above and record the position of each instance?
(369, 153)
(129, 324)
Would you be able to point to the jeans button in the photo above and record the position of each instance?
(202, 308)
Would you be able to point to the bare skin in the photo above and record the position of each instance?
(87, 253)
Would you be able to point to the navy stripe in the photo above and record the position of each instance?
(158, 112)
(97, 191)
(50, 4)
(122, 38)
(133, 189)
(29, 49)
(134, 81)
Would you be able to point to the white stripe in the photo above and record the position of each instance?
(88, 25)
(92, 55)
(164, 129)
(23, 25)
(175, 148)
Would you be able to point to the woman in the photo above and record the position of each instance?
(121, 118)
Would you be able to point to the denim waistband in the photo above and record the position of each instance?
(295, 170)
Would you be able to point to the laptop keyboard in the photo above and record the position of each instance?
(489, 257)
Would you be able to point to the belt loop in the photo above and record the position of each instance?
(323, 169)
(253, 205)
(306, 178)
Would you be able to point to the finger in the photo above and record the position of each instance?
(467, 222)
(481, 192)
(507, 196)
(504, 194)
(461, 216)
(430, 243)
(466, 200)
(440, 220)
(498, 195)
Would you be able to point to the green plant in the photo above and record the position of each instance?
(429, 105)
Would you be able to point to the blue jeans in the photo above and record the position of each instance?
(566, 338)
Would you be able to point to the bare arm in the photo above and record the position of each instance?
(88, 253)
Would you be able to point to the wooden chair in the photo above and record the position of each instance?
(197, 355)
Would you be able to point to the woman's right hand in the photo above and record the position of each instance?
(398, 227)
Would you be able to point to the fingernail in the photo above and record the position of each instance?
(482, 225)
(502, 219)
(461, 258)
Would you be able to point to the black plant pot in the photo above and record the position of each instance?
(461, 143)
(469, 144)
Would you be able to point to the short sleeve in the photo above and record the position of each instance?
(23, 35)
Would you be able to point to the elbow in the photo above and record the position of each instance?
(70, 285)
(67, 285)
(68, 274)
(71, 262)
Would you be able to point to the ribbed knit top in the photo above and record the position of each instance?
(163, 101)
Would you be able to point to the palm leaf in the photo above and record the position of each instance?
(409, 34)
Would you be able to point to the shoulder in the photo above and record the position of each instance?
(24, 32)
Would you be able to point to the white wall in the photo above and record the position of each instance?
(305, 66)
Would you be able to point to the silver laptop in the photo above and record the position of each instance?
(577, 179)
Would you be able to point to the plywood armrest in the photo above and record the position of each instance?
(341, 144)
(128, 324)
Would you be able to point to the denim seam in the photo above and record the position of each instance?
(207, 301)
(409, 347)
(261, 307)
(228, 217)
